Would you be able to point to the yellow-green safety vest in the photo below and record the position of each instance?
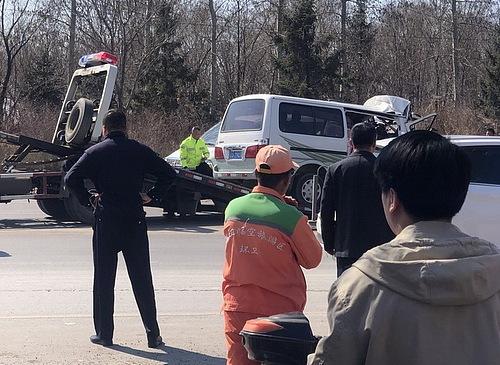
(193, 152)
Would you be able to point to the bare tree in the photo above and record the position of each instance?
(213, 59)
(115, 26)
(19, 21)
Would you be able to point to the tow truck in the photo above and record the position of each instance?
(26, 175)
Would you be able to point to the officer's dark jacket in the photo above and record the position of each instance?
(352, 195)
(117, 167)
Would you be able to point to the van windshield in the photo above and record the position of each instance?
(210, 136)
(244, 115)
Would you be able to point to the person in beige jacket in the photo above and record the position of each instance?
(431, 295)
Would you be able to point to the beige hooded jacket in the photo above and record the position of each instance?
(430, 296)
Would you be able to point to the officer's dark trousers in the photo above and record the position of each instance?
(129, 236)
(204, 169)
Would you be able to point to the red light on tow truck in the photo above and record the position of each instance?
(95, 59)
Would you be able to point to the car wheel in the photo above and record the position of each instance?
(302, 189)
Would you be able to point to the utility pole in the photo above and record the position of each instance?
(148, 31)
(238, 59)
(279, 29)
(72, 39)
(213, 78)
(454, 36)
(343, 36)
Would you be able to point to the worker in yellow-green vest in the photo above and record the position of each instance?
(194, 152)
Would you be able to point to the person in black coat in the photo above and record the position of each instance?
(352, 217)
(116, 166)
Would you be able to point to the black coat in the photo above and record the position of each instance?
(352, 216)
(117, 167)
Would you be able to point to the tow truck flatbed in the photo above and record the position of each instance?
(16, 184)
(48, 184)
(27, 145)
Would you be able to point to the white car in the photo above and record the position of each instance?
(210, 137)
(479, 215)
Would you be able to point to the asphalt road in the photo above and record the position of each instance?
(46, 292)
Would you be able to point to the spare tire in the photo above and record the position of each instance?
(79, 122)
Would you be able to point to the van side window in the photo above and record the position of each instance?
(311, 120)
(485, 161)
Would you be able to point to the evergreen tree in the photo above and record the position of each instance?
(303, 68)
(161, 86)
(490, 87)
(43, 83)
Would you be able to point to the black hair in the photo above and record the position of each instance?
(115, 120)
(491, 130)
(429, 174)
(363, 134)
(272, 180)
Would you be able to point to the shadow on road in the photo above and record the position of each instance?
(4, 254)
(38, 223)
(172, 355)
(200, 223)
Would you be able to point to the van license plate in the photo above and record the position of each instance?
(234, 154)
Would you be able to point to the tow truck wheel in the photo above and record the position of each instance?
(79, 122)
(53, 208)
(220, 206)
(77, 211)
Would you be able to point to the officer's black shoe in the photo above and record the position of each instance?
(155, 342)
(101, 341)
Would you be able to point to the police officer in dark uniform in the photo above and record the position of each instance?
(117, 167)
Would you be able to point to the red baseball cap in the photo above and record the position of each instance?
(274, 159)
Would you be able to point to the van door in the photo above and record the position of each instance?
(241, 136)
(316, 136)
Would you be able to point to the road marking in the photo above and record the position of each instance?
(125, 290)
(130, 315)
(123, 315)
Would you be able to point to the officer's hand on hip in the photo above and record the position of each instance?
(145, 198)
(94, 199)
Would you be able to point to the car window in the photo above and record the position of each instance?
(311, 120)
(244, 115)
(485, 161)
(210, 136)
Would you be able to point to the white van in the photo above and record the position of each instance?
(315, 131)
